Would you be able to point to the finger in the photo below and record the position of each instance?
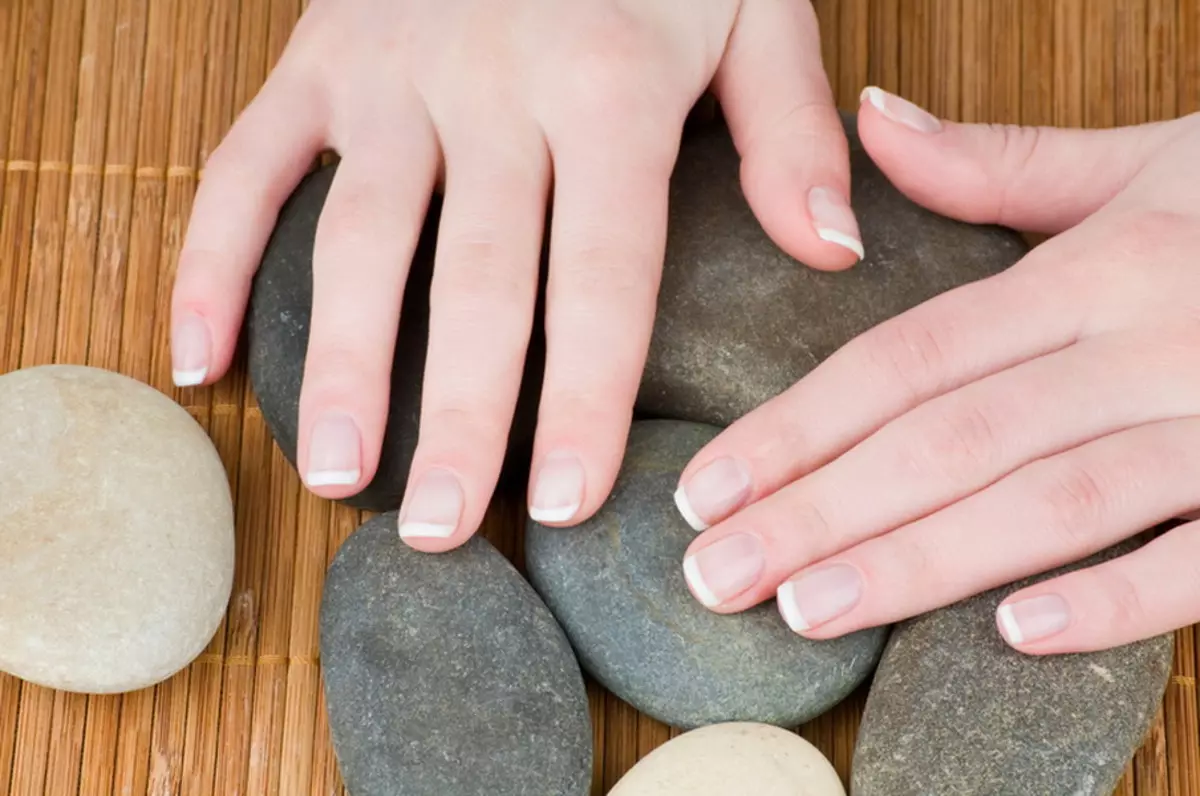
(947, 450)
(364, 243)
(1151, 591)
(246, 180)
(481, 312)
(951, 340)
(607, 245)
(1036, 179)
(781, 112)
(1048, 514)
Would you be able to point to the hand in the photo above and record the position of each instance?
(1000, 430)
(493, 102)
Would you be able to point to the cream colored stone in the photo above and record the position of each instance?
(730, 760)
(116, 531)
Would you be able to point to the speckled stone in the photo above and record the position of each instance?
(445, 674)
(116, 532)
(734, 758)
(738, 320)
(954, 711)
(616, 585)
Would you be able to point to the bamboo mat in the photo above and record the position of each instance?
(108, 109)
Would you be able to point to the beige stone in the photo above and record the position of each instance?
(733, 759)
(116, 531)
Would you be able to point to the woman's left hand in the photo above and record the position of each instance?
(1001, 429)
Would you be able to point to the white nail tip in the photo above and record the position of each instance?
(692, 572)
(1008, 624)
(556, 514)
(841, 239)
(189, 378)
(432, 530)
(785, 598)
(874, 95)
(685, 509)
(332, 478)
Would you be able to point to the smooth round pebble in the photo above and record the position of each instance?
(616, 585)
(733, 758)
(445, 674)
(116, 531)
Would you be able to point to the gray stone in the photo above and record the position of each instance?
(116, 532)
(738, 320)
(955, 711)
(616, 585)
(445, 674)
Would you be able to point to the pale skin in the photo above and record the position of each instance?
(996, 431)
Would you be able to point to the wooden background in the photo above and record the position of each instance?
(108, 109)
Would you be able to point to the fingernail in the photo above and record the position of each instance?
(833, 219)
(1033, 619)
(901, 110)
(434, 506)
(725, 568)
(191, 350)
(334, 451)
(558, 489)
(713, 492)
(819, 596)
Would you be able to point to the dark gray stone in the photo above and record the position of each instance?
(738, 320)
(954, 711)
(445, 674)
(616, 585)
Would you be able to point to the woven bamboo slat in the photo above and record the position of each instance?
(108, 111)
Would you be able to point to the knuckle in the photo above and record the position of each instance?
(908, 354)
(1017, 147)
(958, 443)
(611, 271)
(477, 271)
(480, 421)
(1074, 502)
(1126, 606)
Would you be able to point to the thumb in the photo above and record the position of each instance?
(1033, 179)
(795, 158)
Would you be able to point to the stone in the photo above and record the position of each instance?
(116, 532)
(737, 757)
(954, 710)
(446, 674)
(738, 320)
(616, 585)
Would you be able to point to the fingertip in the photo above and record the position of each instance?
(434, 516)
(804, 214)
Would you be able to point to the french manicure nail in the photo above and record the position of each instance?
(819, 596)
(334, 451)
(191, 350)
(558, 488)
(434, 507)
(901, 110)
(725, 568)
(1033, 619)
(713, 492)
(833, 219)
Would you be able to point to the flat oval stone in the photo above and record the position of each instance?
(955, 710)
(446, 674)
(738, 320)
(116, 532)
(737, 757)
(615, 583)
